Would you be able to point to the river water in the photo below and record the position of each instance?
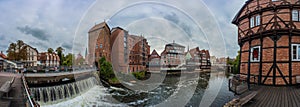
(177, 90)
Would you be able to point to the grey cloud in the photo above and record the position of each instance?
(172, 17)
(39, 44)
(35, 32)
(67, 46)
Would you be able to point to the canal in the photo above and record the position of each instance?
(187, 89)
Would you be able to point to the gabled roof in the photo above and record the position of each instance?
(98, 26)
(235, 19)
(3, 56)
(154, 52)
(175, 44)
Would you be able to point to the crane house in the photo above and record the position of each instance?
(269, 40)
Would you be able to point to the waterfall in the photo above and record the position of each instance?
(62, 92)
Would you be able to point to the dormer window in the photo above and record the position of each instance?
(255, 21)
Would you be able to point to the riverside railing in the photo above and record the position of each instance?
(32, 102)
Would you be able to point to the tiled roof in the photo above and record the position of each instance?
(3, 56)
(235, 20)
(98, 26)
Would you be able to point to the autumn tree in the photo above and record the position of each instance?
(17, 51)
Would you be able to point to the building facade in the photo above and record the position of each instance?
(99, 43)
(173, 55)
(120, 52)
(3, 64)
(269, 40)
(139, 51)
(154, 61)
(49, 59)
(32, 57)
(205, 59)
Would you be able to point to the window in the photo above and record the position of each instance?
(255, 21)
(252, 22)
(275, 0)
(255, 54)
(296, 52)
(295, 15)
(101, 45)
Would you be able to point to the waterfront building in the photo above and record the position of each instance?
(205, 59)
(154, 61)
(32, 57)
(49, 59)
(139, 51)
(213, 60)
(99, 43)
(173, 55)
(120, 52)
(269, 40)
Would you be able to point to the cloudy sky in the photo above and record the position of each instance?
(53, 23)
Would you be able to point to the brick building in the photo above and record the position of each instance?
(120, 52)
(173, 55)
(199, 58)
(99, 43)
(205, 59)
(139, 51)
(269, 40)
(49, 59)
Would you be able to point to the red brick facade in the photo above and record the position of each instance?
(267, 26)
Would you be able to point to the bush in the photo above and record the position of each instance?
(106, 70)
(139, 75)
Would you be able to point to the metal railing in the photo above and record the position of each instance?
(32, 102)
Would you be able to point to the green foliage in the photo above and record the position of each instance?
(106, 70)
(68, 60)
(139, 75)
(114, 80)
(50, 50)
(60, 54)
(235, 63)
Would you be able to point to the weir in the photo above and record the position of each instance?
(62, 92)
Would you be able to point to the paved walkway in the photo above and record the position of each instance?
(16, 95)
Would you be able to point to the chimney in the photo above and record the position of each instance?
(1, 52)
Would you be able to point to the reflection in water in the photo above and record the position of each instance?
(101, 96)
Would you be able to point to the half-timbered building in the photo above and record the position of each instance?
(269, 40)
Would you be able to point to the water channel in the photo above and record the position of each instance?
(172, 86)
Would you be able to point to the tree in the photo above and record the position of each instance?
(60, 54)
(50, 50)
(235, 63)
(68, 60)
(106, 70)
(17, 51)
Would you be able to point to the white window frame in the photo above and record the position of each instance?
(257, 20)
(251, 55)
(251, 22)
(295, 15)
(297, 52)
